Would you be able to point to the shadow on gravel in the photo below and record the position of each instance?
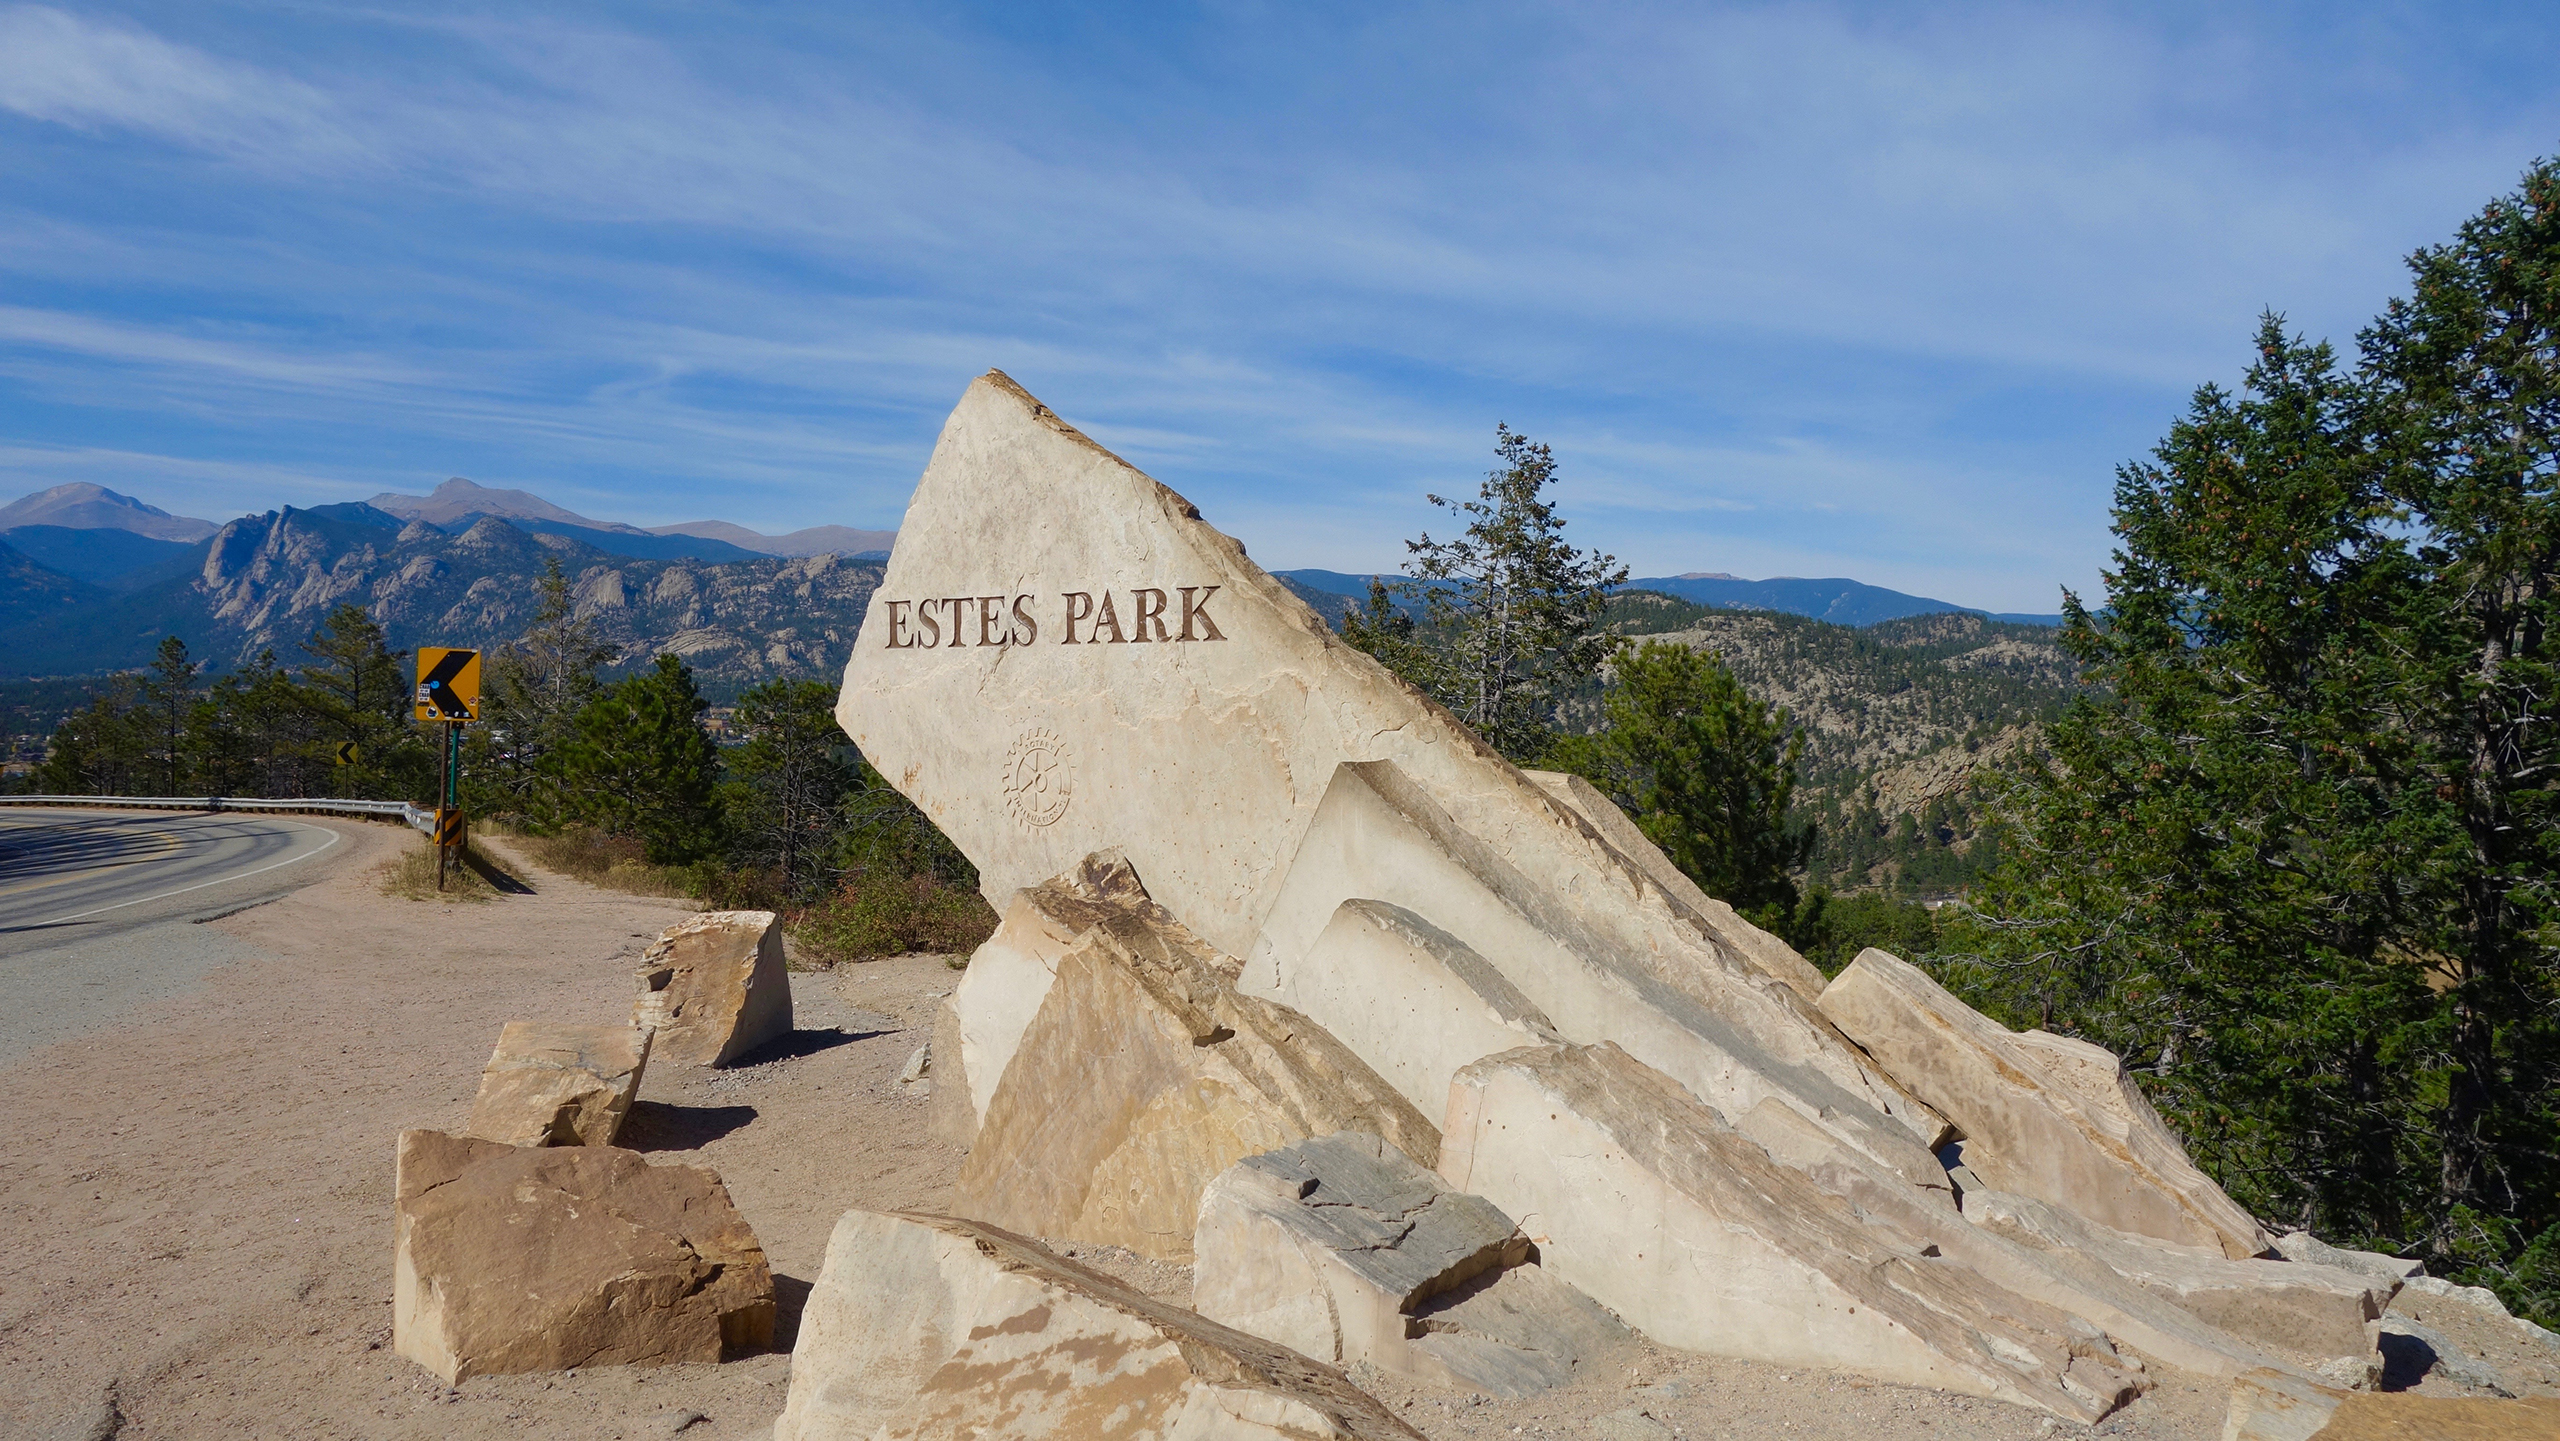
(657, 1126)
(790, 1298)
(800, 1043)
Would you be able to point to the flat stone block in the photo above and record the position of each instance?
(556, 1085)
(509, 1258)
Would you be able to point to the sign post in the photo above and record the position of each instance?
(449, 694)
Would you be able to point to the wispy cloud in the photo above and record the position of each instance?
(1897, 288)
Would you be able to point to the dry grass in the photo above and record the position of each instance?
(482, 876)
(614, 863)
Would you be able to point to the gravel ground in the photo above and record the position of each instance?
(198, 1200)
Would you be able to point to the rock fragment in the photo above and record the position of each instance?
(558, 1085)
(2042, 1115)
(1144, 1075)
(930, 1326)
(713, 987)
(1341, 1248)
(508, 1259)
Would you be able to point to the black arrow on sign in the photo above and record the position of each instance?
(439, 682)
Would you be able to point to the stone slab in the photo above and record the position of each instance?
(1733, 1037)
(1641, 1197)
(509, 1259)
(714, 987)
(926, 1326)
(1763, 950)
(1412, 1000)
(1341, 1248)
(2305, 1247)
(2318, 1310)
(1145, 1075)
(2042, 1115)
(558, 1085)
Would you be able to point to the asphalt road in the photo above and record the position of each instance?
(96, 907)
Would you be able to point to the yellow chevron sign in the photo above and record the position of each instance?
(448, 684)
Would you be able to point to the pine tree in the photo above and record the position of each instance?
(1706, 772)
(640, 764)
(166, 700)
(536, 686)
(357, 690)
(1511, 607)
(789, 780)
(2296, 861)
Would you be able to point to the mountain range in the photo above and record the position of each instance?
(1837, 600)
(90, 581)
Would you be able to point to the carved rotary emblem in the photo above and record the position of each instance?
(1038, 780)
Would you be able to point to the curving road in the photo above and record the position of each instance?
(58, 868)
(95, 905)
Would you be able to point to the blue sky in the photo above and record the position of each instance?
(1884, 292)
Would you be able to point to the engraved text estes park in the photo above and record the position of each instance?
(1076, 617)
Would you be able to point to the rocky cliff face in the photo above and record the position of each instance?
(267, 581)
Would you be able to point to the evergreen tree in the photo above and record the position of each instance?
(640, 764)
(789, 781)
(1388, 632)
(1512, 607)
(535, 687)
(166, 699)
(100, 751)
(356, 689)
(1705, 771)
(2297, 863)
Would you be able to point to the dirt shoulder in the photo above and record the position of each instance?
(198, 1198)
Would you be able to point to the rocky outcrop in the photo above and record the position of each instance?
(930, 1326)
(1356, 917)
(1341, 1248)
(508, 1258)
(1144, 1075)
(555, 1085)
(2042, 1115)
(2314, 1309)
(713, 987)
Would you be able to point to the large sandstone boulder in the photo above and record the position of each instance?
(2042, 1115)
(714, 987)
(1063, 658)
(556, 1085)
(2314, 1309)
(925, 1326)
(1642, 1198)
(1010, 973)
(1144, 1075)
(1341, 1248)
(508, 1258)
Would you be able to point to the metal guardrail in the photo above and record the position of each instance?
(415, 817)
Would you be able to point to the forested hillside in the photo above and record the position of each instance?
(1898, 718)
